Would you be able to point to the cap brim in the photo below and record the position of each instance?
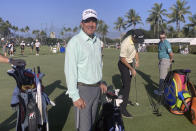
(90, 18)
(139, 40)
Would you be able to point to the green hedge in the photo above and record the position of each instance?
(175, 48)
(192, 49)
(152, 48)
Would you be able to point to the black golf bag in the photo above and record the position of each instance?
(110, 117)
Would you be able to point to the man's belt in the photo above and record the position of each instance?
(89, 85)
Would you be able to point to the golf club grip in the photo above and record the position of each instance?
(38, 69)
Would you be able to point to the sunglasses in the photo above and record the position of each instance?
(90, 19)
(162, 37)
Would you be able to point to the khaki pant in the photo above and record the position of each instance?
(164, 65)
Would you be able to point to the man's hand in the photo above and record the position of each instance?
(133, 72)
(17, 62)
(80, 103)
(103, 88)
(136, 64)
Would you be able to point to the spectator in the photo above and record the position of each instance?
(22, 47)
(5, 46)
(37, 46)
(32, 46)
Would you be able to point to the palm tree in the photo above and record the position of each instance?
(120, 24)
(171, 31)
(156, 18)
(178, 11)
(192, 23)
(36, 33)
(15, 29)
(27, 29)
(75, 29)
(62, 33)
(5, 27)
(43, 36)
(100, 26)
(104, 32)
(67, 30)
(102, 29)
(132, 18)
(22, 30)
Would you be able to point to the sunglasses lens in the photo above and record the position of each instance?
(90, 19)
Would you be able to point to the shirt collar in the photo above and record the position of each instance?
(86, 37)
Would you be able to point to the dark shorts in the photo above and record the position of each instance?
(22, 47)
(37, 49)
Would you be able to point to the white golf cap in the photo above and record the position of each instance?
(2, 39)
(88, 13)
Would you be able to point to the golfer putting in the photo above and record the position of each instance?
(128, 53)
(83, 71)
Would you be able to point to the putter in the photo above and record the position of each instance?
(162, 96)
(155, 109)
(136, 102)
(78, 119)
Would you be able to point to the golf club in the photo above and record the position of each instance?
(78, 119)
(162, 96)
(155, 109)
(136, 102)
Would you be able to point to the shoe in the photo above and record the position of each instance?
(126, 114)
(158, 92)
(130, 103)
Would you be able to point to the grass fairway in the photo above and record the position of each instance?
(61, 117)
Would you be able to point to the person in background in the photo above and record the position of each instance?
(32, 46)
(12, 48)
(22, 47)
(58, 47)
(37, 47)
(5, 46)
(165, 56)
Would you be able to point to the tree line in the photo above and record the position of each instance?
(159, 19)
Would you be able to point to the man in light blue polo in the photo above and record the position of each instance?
(165, 56)
(83, 71)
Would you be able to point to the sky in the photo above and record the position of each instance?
(55, 14)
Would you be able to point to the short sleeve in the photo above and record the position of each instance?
(168, 46)
(123, 49)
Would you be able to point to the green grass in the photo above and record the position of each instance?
(62, 116)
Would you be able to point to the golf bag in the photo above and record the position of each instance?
(178, 91)
(110, 118)
(32, 105)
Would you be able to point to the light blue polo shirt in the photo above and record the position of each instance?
(83, 62)
(164, 48)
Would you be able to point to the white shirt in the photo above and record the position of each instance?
(37, 44)
(22, 43)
